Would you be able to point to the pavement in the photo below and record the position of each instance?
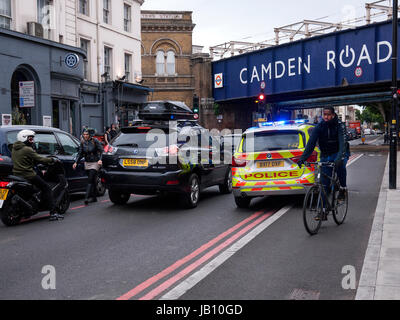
(380, 276)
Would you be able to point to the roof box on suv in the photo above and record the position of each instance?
(165, 110)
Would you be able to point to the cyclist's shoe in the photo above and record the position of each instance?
(342, 194)
(323, 216)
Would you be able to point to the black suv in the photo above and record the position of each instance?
(160, 157)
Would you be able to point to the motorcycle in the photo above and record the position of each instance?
(19, 199)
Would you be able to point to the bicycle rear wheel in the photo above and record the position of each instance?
(312, 210)
(341, 206)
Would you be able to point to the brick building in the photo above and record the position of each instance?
(166, 55)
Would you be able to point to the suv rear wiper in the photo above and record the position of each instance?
(133, 145)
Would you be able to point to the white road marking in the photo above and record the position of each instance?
(351, 161)
(195, 278)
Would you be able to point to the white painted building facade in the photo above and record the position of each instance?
(100, 26)
(110, 33)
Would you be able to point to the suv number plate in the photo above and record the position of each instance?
(135, 162)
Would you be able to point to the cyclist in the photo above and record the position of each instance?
(331, 137)
(24, 158)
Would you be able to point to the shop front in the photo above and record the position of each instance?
(40, 83)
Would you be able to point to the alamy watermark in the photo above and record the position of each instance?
(350, 278)
(49, 280)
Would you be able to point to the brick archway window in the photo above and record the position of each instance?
(165, 63)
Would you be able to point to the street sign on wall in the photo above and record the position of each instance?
(359, 56)
(26, 94)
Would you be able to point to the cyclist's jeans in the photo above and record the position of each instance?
(341, 173)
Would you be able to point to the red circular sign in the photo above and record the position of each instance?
(358, 72)
(218, 80)
(195, 116)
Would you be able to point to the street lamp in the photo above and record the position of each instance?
(394, 123)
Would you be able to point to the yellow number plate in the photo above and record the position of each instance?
(135, 163)
(270, 164)
(3, 194)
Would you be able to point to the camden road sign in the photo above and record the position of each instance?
(361, 56)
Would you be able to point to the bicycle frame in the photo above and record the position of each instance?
(333, 178)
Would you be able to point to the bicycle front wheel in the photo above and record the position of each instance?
(312, 210)
(341, 205)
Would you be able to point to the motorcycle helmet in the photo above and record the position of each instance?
(24, 134)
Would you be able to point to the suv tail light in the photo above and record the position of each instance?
(171, 150)
(312, 158)
(4, 184)
(238, 163)
(108, 149)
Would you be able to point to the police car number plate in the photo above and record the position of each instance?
(135, 162)
(270, 164)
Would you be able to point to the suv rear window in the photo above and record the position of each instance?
(143, 139)
(271, 141)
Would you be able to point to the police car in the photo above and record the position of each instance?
(265, 162)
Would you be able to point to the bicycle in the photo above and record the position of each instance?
(313, 213)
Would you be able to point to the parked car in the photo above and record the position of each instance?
(367, 131)
(48, 141)
(265, 162)
(352, 133)
(134, 163)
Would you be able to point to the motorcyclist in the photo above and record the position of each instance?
(24, 158)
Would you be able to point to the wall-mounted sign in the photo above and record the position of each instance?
(161, 16)
(26, 94)
(6, 119)
(218, 80)
(71, 60)
(46, 121)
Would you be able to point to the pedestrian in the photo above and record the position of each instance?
(84, 128)
(92, 150)
(113, 131)
(107, 136)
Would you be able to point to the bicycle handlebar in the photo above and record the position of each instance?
(326, 163)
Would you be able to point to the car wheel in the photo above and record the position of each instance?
(191, 197)
(118, 197)
(226, 187)
(242, 202)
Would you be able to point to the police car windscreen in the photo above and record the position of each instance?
(271, 141)
(145, 139)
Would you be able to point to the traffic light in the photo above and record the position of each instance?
(196, 109)
(261, 102)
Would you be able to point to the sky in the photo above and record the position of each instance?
(220, 21)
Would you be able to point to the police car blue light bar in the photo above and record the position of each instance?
(283, 122)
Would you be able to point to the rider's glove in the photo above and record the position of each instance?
(300, 163)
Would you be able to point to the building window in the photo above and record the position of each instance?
(5, 14)
(108, 61)
(127, 18)
(170, 63)
(85, 45)
(43, 7)
(165, 64)
(128, 59)
(160, 62)
(84, 7)
(106, 11)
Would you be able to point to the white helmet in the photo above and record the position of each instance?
(24, 134)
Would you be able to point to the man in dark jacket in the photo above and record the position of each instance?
(331, 137)
(24, 159)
